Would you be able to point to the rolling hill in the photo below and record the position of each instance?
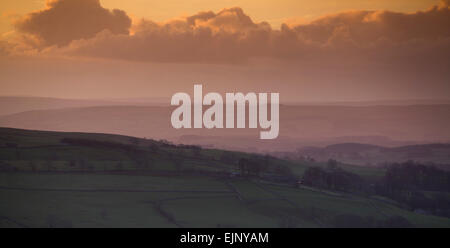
(59, 179)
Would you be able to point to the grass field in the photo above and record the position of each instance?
(48, 183)
(77, 200)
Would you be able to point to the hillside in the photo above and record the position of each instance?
(364, 154)
(26, 150)
(54, 179)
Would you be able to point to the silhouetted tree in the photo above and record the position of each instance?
(178, 163)
(154, 147)
(250, 167)
(49, 165)
(196, 150)
(72, 163)
(134, 141)
(333, 178)
(332, 164)
(119, 166)
(32, 165)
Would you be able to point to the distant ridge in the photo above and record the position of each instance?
(374, 103)
(17, 104)
(300, 126)
(364, 154)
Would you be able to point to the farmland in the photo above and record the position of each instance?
(52, 179)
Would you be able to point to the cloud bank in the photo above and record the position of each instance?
(83, 28)
(66, 20)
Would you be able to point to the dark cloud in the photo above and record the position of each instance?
(227, 36)
(231, 36)
(66, 20)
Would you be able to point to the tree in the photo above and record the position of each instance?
(228, 158)
(178, 163)
(250, 167)
(49, 165)
(82, 164)
(154, 147)
(72, 163)
(332, 164)
(134, 141)
(119, 166)
(333, 179)
(32, 165)
(11, 145)
(242, 164)
(196, 150)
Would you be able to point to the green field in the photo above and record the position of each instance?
(45, 182)
(77, 200)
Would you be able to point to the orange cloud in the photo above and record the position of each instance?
(366, 27)
(4, 48)
(231, 36)
(66, 20)
(227, 36)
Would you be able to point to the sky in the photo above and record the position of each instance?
(326, 50)
(273, 11)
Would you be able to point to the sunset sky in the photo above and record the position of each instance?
(274, 12)
(344, 50)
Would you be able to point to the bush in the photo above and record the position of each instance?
(332, 178)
